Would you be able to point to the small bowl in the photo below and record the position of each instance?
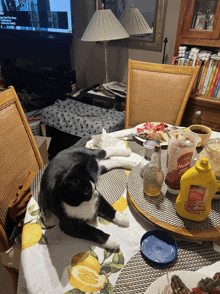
(158, 247)
(203, 132)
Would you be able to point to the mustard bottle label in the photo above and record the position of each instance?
(195, 202)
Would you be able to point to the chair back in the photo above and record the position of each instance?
(157, 92)
(18, 156)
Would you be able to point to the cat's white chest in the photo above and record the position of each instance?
(86, 210)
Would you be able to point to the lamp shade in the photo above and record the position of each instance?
(134, 22)
(104, 26)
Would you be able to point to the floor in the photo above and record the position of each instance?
(5, 281)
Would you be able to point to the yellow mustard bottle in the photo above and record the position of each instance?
(197, 187)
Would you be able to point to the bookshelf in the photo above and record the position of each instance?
(199, 26)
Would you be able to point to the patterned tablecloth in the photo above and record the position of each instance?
(48, 253)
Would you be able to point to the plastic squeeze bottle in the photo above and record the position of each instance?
(197, 187)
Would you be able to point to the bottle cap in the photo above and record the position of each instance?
(203, 165)
(157, 148)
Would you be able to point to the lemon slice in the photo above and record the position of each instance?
(85, 279)
(120, 205)
(31, 235)
(86, 259)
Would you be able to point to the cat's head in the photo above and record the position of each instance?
(77, 184)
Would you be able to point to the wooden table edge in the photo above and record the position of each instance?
(212, 234)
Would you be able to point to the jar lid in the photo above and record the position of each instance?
(158, 247)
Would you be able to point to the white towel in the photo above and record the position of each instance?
(110, 142)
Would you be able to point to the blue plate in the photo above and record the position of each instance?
(158, 247)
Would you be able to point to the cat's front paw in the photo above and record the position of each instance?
(121, 220)
(112, 243)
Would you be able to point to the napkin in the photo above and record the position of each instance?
(109, 142)
(115, 148)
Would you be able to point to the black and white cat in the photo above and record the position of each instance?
(68, 187)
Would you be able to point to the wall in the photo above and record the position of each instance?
(89, 56)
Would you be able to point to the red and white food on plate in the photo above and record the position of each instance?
(153, 131)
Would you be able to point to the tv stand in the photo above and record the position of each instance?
(41, 87)
(39, 69)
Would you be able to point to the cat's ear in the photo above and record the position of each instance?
(83, 167)
(92, 165)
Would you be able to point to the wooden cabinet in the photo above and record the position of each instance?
(202, 110)
(199, 26)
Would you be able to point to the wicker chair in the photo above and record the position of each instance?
(157, 92)
(18, 156)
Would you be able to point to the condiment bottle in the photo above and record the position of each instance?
(197, 187)
(181, 148)
(153, 175)
(148, 150)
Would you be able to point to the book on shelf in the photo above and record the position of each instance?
(186, 61)
(203, 76)
(211, 77)
(196, 83)
(194, 59)
(215, 80)
(217, 90)
(174, 59)
(181, 61)
(208, 74)
(216, 83)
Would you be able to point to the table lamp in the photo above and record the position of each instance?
(134, 22)
(104, 26)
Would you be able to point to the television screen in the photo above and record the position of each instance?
(49, 16)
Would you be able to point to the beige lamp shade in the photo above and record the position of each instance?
(134, 22)
(104, 26)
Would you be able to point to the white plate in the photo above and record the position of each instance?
(189, 278)
(142, 140)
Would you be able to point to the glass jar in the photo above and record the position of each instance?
(212, 153)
